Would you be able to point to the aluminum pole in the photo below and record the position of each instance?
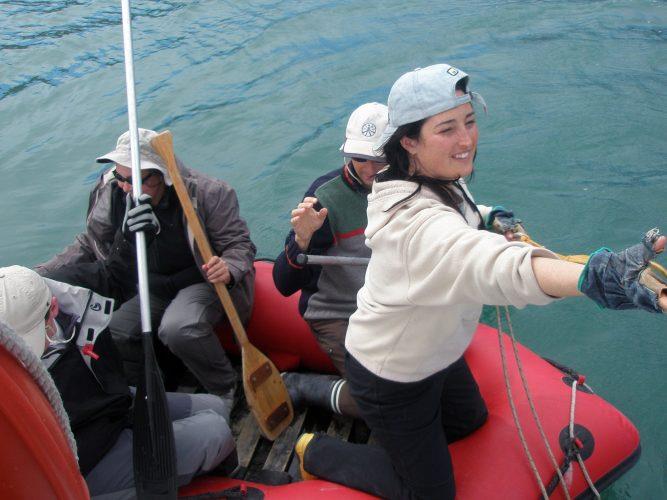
(142, 267)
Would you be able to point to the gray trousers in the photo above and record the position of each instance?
(202, 436)
(186, 327)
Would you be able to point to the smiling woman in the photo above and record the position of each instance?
(432, 268)
(446, 144)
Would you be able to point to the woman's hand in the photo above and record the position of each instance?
(621, 280)
(502, 221)
(306, 220)
(217, 271)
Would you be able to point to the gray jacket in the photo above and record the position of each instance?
(218, 209)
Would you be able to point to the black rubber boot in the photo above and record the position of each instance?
(310, 389)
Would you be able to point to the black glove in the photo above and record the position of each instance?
(619, 280)
(140, 218)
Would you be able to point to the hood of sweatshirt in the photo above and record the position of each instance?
(388, 198)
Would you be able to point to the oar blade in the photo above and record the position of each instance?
(154, 450)
(266, 393)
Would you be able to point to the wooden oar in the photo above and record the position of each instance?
(264, 388)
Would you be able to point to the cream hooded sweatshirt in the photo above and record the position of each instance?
(430, 272)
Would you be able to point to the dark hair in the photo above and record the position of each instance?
(397, 157)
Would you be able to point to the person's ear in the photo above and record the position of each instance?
(409, 144)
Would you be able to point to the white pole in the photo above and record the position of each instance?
(142, 267)
(153, 439)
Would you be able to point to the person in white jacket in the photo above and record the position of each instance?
(431, 270)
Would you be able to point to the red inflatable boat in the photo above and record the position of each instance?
(35, 461)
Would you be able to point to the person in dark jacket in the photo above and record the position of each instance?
(330, 221)
(68, 328)
(183, 300)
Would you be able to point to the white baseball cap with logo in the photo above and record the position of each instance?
(149, 159)
(24, 301)
(365, 125)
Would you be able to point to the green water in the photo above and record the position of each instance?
(258, 93)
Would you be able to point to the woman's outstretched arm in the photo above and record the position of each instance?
(607, 277)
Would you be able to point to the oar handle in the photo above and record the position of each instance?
(163, 145)
(329, 260)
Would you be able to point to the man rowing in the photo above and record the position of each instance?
(183, 301)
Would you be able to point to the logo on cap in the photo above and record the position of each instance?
(453, 71)
(368, 129)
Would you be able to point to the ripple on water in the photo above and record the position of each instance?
(258, 93)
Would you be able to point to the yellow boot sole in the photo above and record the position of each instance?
(300, 450)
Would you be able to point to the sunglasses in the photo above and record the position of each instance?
(364, 160)
(128, 180)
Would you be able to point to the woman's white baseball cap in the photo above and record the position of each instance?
(364, 127)
(425, 92)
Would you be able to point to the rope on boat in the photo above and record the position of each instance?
(573, 401)
(584, 470)
(658, 271)
(510, 398)
(531, 404)
(17, 347)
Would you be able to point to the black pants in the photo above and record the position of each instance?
(412, 423)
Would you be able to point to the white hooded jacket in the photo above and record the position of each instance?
(430, 272)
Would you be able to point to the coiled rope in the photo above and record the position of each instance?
(17, 347)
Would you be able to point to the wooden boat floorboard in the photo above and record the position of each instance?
(259, 456)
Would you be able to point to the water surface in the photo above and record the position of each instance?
(258, 93)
